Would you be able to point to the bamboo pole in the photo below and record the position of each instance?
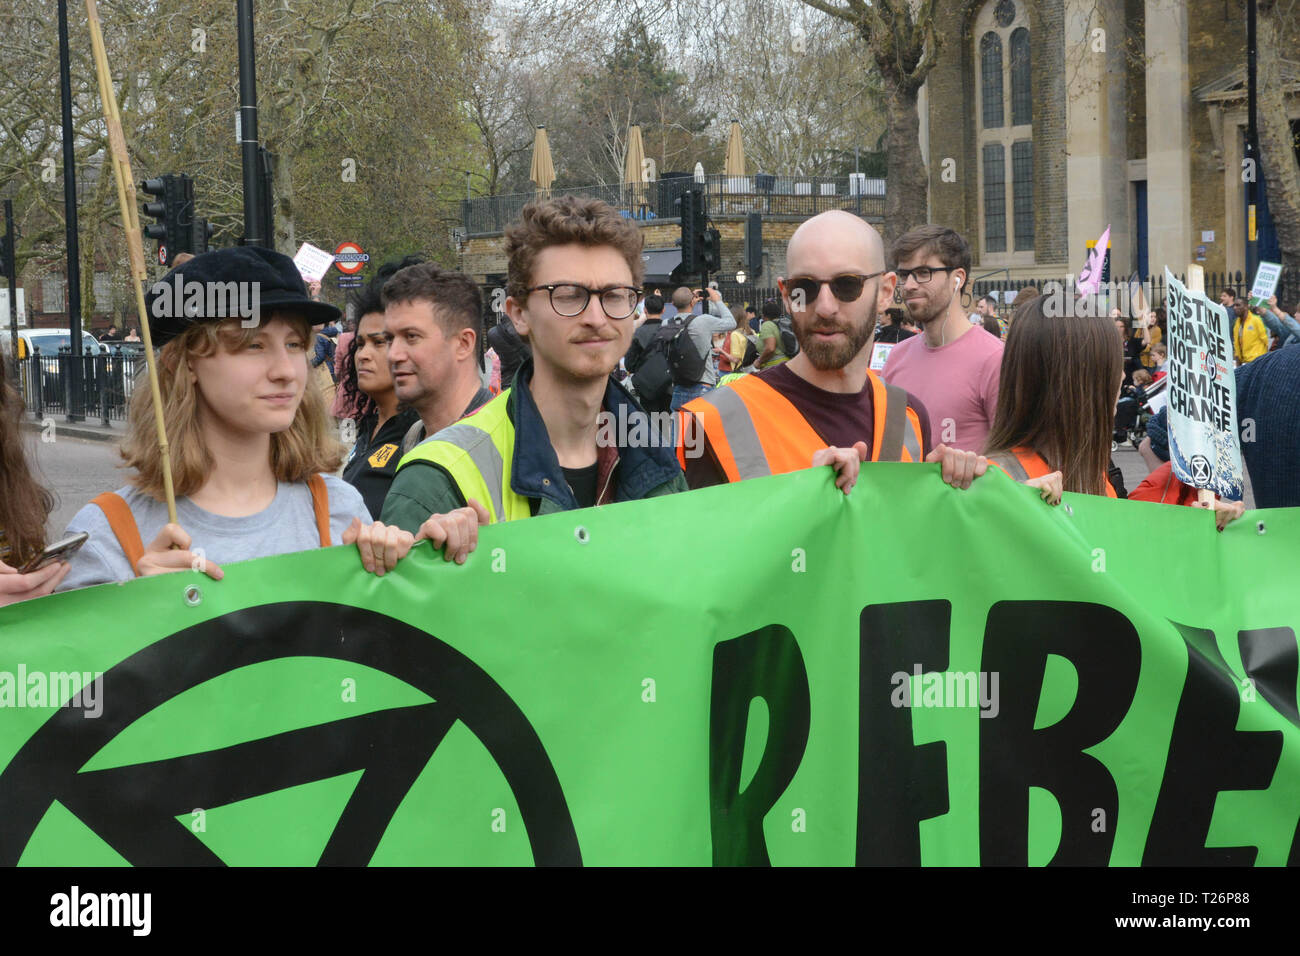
(134, 243)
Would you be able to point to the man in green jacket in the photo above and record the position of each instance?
(566, 435)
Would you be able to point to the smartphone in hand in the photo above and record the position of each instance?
(58, 551)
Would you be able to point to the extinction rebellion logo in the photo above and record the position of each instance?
(1202, 471)
(134, 808)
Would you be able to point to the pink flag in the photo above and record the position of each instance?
(1090, 278)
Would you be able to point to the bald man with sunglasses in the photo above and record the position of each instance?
(772, 422)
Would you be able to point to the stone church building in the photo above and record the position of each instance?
(1045, 121)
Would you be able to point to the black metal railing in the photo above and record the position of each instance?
(86, 388)
(1153, 287)
(772, 195)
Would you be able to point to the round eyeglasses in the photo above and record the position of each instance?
(568, 299)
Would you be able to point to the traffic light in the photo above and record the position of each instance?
(711, 251)
(174, 214)
(695, 220)
(690, 247)
(200, 234)
(754, 244)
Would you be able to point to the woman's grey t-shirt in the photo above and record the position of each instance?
(287, 524)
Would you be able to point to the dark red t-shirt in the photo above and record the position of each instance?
(837, 418)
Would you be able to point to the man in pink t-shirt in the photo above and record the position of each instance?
(953, 367)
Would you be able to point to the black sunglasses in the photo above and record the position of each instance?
(846, 288)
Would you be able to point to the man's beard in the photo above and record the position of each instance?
(925, 310)
(833, 356)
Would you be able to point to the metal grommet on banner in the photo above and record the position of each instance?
(193, 596)
(1259, 527)
(581, 534)
(1067, 509)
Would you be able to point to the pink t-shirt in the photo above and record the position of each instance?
(957, 382)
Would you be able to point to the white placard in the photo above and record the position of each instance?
(4, 309)
(1266, 277)
(312, 262)
(880, 354)
(1203, 445)
(1207, 235)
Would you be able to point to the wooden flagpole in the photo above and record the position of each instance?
(134, 242)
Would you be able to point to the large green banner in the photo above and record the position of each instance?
(768, 672)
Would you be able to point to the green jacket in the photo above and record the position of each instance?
(502, 456)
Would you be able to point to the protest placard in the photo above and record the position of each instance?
(1203, 447)
(312, 262)
(1266, 277)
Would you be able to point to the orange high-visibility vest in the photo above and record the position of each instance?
(756, 431)
(1024, 463)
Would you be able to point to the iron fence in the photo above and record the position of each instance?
(737, 295)
(92, 386)
(1153, 287)
(794, 196)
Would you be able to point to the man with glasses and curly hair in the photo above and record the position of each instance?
(564, 436)
(772, 422)
(953, 366)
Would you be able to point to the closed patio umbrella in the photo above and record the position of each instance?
(634, 166)
(542, 172)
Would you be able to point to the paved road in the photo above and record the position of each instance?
(77, 470)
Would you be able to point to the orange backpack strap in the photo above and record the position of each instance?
(123, 525)
(320, 502)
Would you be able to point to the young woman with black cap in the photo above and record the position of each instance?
(252, 454)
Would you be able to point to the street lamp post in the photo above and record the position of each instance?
(250, 159)
(74, 389)
(1252, 147)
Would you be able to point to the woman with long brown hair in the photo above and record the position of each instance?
(252, 450)
(24, 506)
(1056, 404)
(1061, 381)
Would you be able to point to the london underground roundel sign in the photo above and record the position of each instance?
(349, 258)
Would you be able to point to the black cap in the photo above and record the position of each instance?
(268, 275)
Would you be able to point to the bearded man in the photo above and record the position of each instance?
(954, 367)
(771, 422)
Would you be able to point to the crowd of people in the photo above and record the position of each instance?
(452, 426)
